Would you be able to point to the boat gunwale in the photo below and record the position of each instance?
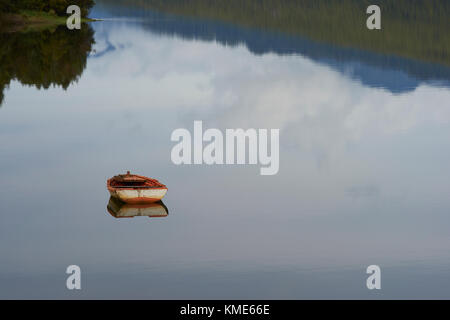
(161, 186)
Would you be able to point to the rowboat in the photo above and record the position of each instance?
(135, 189)
(120, 209)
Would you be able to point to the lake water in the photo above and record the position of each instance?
(363, 179)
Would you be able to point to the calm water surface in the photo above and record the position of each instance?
(364, 168)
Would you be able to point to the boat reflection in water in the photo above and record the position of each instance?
(119, 209)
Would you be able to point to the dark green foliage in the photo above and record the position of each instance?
(7, 6)
(416, 29)
(41, 59)
(58, 6)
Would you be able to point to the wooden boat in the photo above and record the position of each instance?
(120, 209)
(134, 189)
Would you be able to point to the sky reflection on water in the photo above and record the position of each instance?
(363, 178)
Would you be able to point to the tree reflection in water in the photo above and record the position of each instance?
(43, 58)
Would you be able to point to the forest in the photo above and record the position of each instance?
(58, 7)
(415, 29)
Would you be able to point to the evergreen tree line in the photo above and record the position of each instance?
(417, 29)
(57, 6)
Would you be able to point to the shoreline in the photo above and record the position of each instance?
(25, 21)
